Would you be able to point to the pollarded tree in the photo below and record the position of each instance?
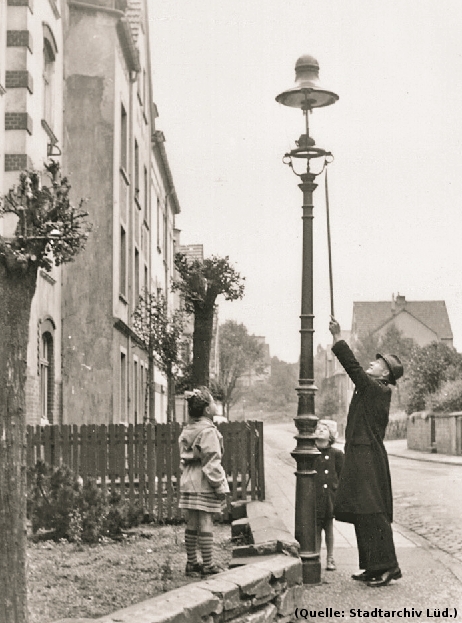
(239, 353)
(200, 283)
(41, 228)
(161, 334)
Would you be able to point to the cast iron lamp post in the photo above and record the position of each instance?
(306, 95)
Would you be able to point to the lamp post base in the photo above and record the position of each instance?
(306, 454)
(311, 568)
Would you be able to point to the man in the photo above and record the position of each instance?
(364, 495)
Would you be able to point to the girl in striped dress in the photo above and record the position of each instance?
(203, 483)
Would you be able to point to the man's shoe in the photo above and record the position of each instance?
(193, 569)
(362, 576)
(386, 577)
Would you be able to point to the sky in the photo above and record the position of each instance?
(395, 185)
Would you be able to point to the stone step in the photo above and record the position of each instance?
(248, 560)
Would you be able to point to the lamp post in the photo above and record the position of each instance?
(306, 95)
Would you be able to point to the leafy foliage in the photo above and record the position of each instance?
(160, 332)
(429, 368)
(239, 352)
(201, 282)
(284, 379)
(392, 341)
(279, 390)
(58, 501)
(447, 399)
(49, 228)
(328, 404)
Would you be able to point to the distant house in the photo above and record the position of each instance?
(423, 321)
(255, 376)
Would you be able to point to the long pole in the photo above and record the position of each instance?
(329, 248)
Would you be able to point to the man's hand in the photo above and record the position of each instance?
(335, 329)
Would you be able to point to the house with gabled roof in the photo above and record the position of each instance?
(423, 321)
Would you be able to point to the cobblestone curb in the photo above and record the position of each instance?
(260, 532)
(264, 592)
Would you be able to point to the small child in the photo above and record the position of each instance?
(203, 483)
(328, 468)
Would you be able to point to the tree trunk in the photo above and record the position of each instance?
(151, 390)
(202, 342)
(16, 292)
(173, 394)
(169, 396)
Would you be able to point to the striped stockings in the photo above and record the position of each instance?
(190, 541)
(206, 545)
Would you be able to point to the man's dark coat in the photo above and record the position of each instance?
(365, 484)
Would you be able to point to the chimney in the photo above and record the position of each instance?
(393, 304)
(400, 301)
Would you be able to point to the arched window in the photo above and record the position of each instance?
(49, 58)
(46, 376)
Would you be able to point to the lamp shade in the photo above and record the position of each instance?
(307, 92)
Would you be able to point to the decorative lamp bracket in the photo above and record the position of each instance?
(308, 153)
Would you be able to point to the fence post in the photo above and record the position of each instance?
(261, 462)
(151, 467)
(103, 442)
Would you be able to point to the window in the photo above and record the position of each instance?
(49, 56)
(46, 377)
(137, 277)
(146, 194)
(123, 138)
(166, 233)
(123, 263)
(146, 279)
(142, 395)
(159, 220)
(136, 391)
(137, 172)
(123, 387)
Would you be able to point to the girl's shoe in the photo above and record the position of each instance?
(193, 569)
(211, 570)
(330, 564)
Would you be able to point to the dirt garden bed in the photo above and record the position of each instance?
(72, 580)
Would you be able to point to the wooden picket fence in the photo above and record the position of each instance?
(141, 462)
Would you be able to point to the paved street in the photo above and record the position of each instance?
(428, 500)
(427, 532)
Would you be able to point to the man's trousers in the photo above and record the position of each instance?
(375, 542)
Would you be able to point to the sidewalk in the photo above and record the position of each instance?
(398, 447)
(431, 582)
